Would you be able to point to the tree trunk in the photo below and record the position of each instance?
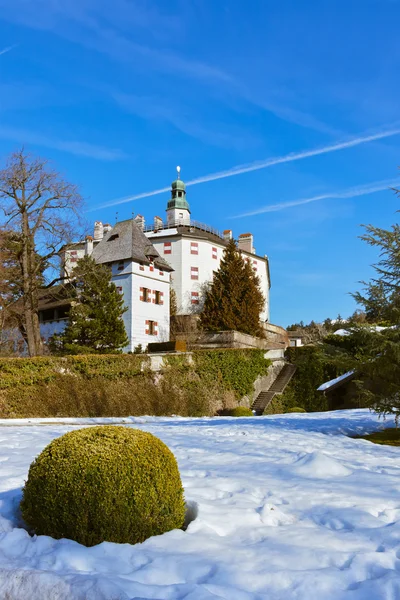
(32, 327)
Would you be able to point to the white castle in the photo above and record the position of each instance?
(146, 260)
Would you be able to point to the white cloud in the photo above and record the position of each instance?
(78, 148)
(5, 50)
(353, 192)
(269, 162)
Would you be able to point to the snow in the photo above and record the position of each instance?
(328, 384)
(377, 328)
(285, 507)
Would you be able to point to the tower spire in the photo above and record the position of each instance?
(178, 211)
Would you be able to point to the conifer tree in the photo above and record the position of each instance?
(234, 299)
(95, 320)
(380, 372)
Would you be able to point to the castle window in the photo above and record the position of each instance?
(121, 265)
(195, 297)
(119, 289)
(151, 327)
(180, 194)
(158, 297)
(215, 253)
(194, 273)
(141, 267)
(167, 248)
(145, 294)
(194, 248)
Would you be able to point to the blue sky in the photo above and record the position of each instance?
(119, 93)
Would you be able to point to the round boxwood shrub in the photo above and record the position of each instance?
(296, 409)
(241, 411)
(106, 483)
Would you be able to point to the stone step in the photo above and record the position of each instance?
(265, 397)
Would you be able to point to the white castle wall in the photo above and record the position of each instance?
(129, 277)
(182, 260)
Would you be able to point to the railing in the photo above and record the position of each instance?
(181, 223)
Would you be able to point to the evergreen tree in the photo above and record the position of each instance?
(95, 321)
(380, 370)
(234, 299)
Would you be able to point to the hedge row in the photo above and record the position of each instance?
(235, 369)
(16, 372)
(120, 385)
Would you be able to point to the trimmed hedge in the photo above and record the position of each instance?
(296, 409)
(105, 483)
(235, 369)
(31, 371)
(241, 411)
(198, 384)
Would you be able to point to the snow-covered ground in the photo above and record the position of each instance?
(288, 508)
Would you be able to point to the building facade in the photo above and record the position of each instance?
(145, 262)
(139, 273)
(194, 251)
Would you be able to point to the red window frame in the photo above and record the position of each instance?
(194, 273)
(194, 248)
(151, 327)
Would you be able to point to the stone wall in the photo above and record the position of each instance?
(262, 384)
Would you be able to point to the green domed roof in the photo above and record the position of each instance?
(178, 196)
(178, 185)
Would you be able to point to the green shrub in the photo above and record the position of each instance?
(237, 369)
(198, 384)
(31, 371)
(105, 483)
(296, 409)
(240, 411)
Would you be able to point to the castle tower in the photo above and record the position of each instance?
(178, 211)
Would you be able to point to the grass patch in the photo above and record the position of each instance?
(387, 437)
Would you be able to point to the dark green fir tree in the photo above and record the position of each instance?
(95, 320)
(380, 372)
(234, 300)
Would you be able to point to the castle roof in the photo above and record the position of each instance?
(127, 241)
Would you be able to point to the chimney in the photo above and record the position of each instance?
(98, 231)
(158, 223)
(139, 220)
(227, 234)
(246, 242)
(88, 245)
(107, 227)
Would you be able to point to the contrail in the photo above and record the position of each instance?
(361, 190)
(5, 50)
(264, 164)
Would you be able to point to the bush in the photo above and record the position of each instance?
(237, 369)
(296, 409)
(240, 411)
(105, 483)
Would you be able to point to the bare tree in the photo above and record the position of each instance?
(43, 211)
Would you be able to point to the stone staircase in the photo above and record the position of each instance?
(277, 387)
